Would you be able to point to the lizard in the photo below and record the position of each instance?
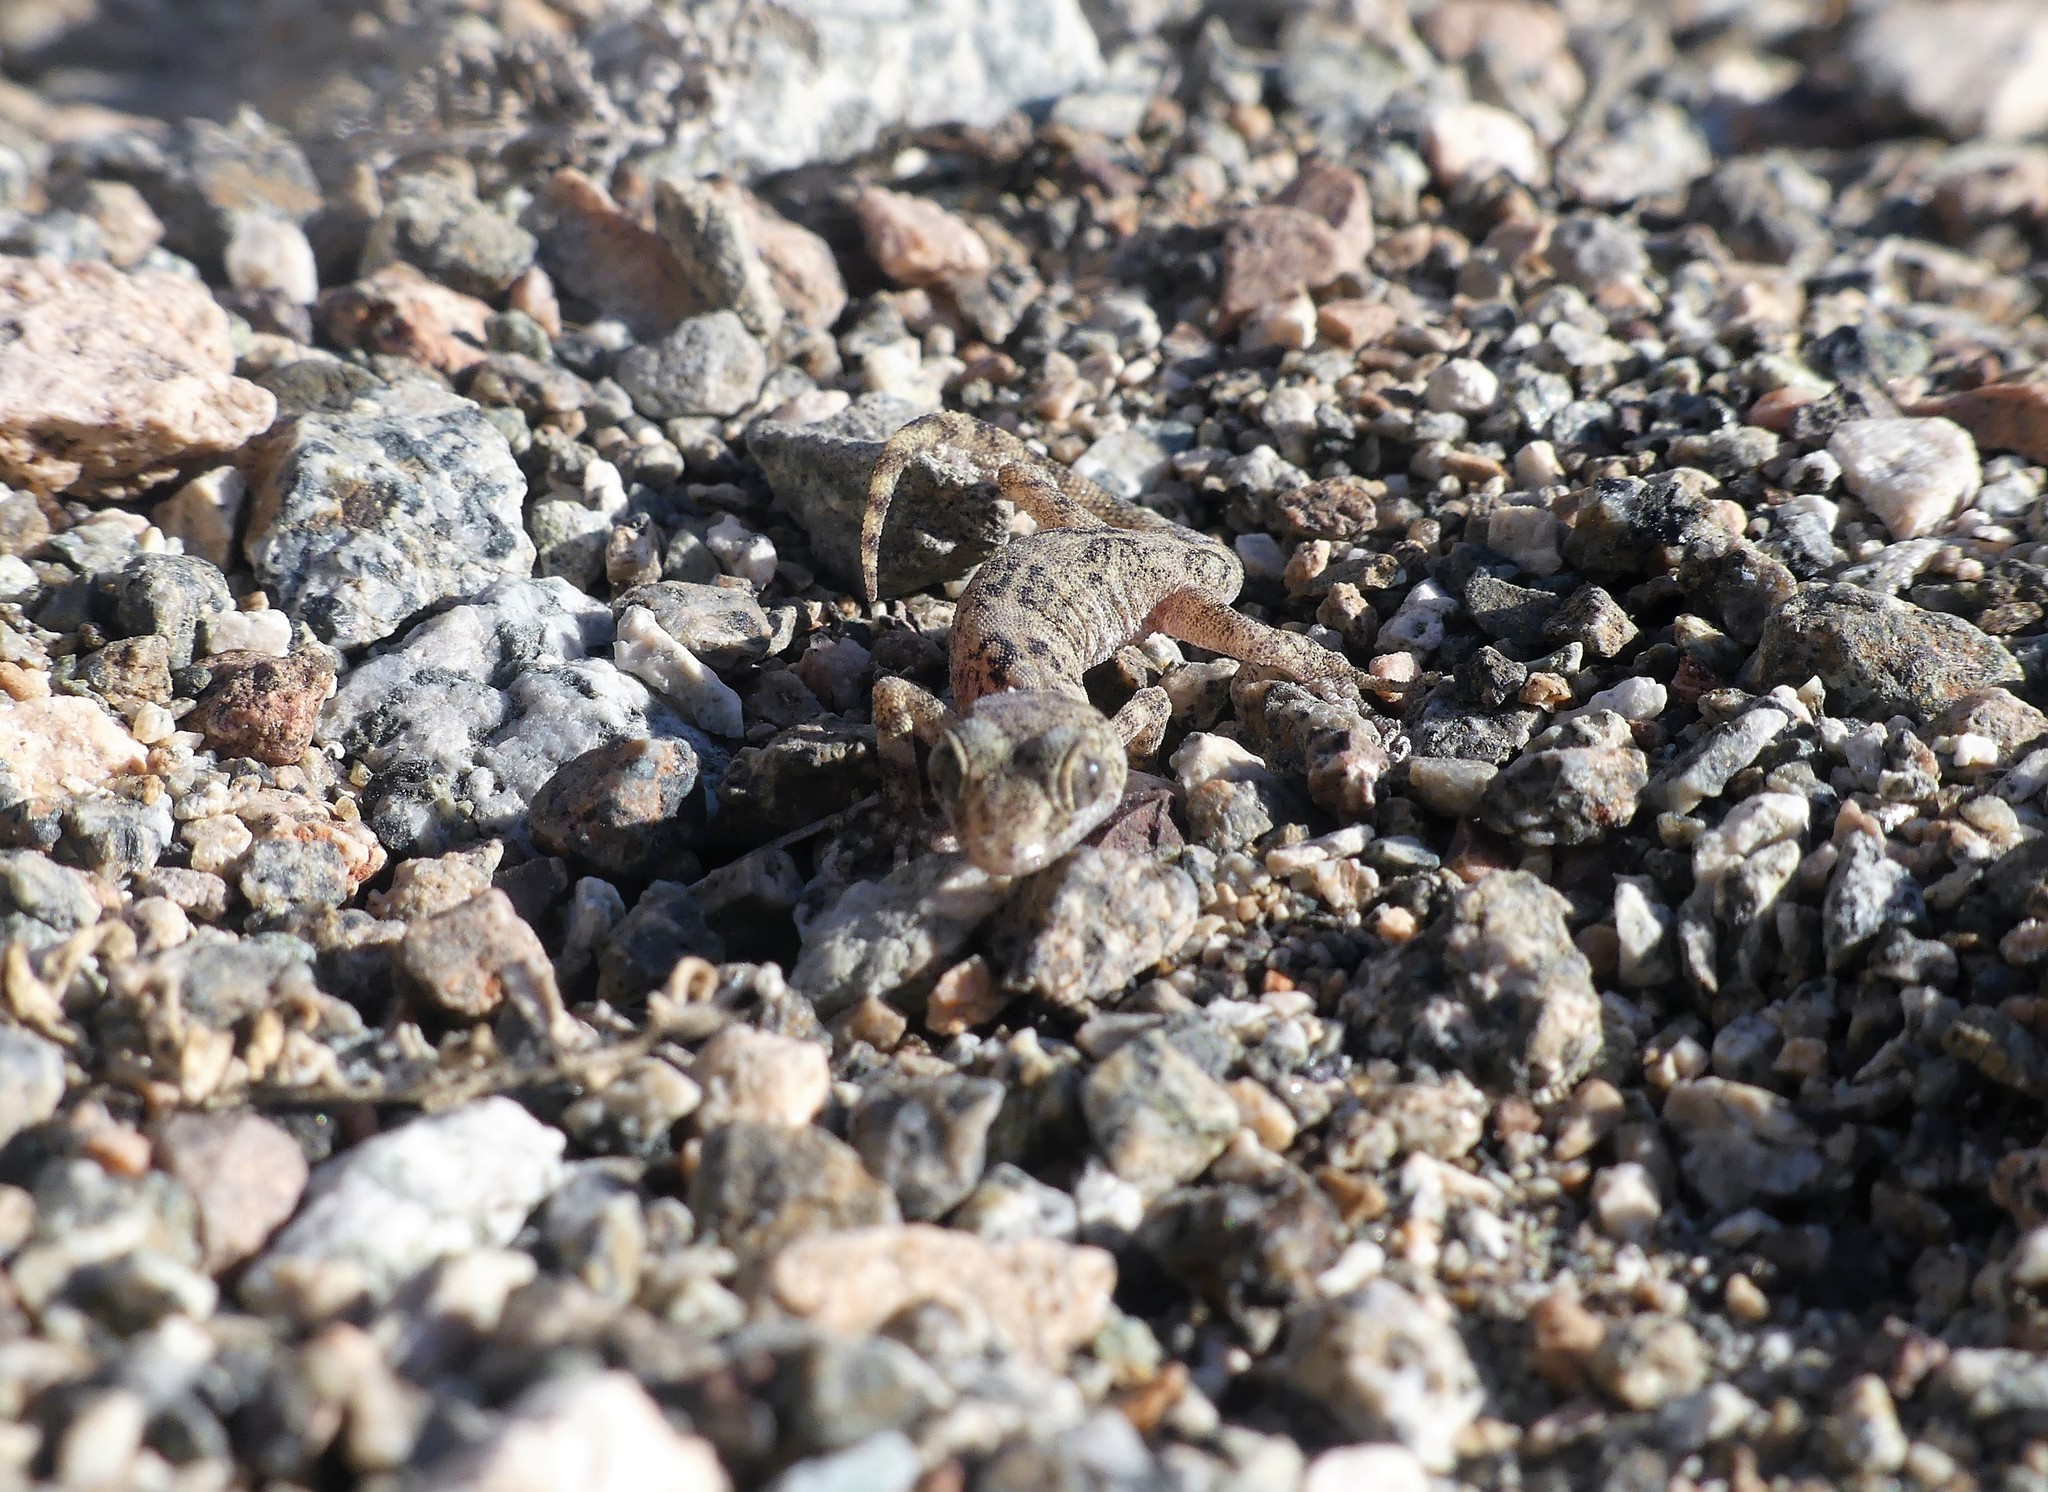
(1023, 766)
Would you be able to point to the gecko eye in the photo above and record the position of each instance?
(1081, 778)
(945, 770)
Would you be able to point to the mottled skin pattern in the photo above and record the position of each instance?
(1023, 766)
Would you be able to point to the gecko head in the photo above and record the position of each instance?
(1025, 777)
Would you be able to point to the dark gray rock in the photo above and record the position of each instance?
(1495, 988)
(927, 1139)
(1875, 655)
(664, 925)
(1574, 792)
(435, 223)
(708, 365)
(166, 595)
(760, 1186)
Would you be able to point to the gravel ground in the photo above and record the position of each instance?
(467, 1026)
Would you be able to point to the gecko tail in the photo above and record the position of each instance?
(1054, 494)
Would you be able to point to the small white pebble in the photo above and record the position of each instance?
(1462, 386)
(247, 631)
(741, 551)
(650, 655)
(17, 580)
(1360, 1262)
(1973, 750)
(1262, 555)
(152, 724)
(1625, 1202)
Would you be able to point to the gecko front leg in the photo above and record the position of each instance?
(1141, 724)
(905, 718)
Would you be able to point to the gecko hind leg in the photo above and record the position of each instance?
(905, 718)
(1192, 617)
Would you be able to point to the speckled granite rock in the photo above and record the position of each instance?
(362, 520)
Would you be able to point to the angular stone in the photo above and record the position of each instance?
(1875, 655)
(1040, 1298)
(263, 707)
(110, 382)
(362, 520)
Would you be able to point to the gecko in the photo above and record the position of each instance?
(1023, 766)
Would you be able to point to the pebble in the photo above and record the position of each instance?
(266, 632)
(1497, 988)
(626, 810)
(598, 1431)
(471, 713)
(1462, 386)
(1644, 1362)
(927, 1138)
(1625, 1202)
(1081, 929)
(262, 706)
(378, 1214)
(1270, 255)
(1387, 1367)
(886, 1462)
(268, 253)
(1877, 656)
(819, 473)
(1036, 1297)
(859, 74)
(31, 1080)
(479, 956)
(110, 382)
(1863, 1432)
(915, 241)
(399, 312)
(1971, 71)
(652, 654)
(624, 269)
(246, 1176)
(758, 1077)
(706, 365)
(434, 222)
(1157, 1116)
(442, 523)
(1574, 792)
(1466, 142)
(1384, 1468)
(1913, 474)
(881, 935)
(52, 746)
(759, 1187)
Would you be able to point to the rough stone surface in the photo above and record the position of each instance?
(437, 1186)
(1877, 656)
(362, 520)
(246, 1176)
(602, 1432)
(1913, 474)
(827, 91)
(1076, 932)
(1387, 1367)
(474, 711)
(111, 382)
(1042, 1299)
(1495, 988)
